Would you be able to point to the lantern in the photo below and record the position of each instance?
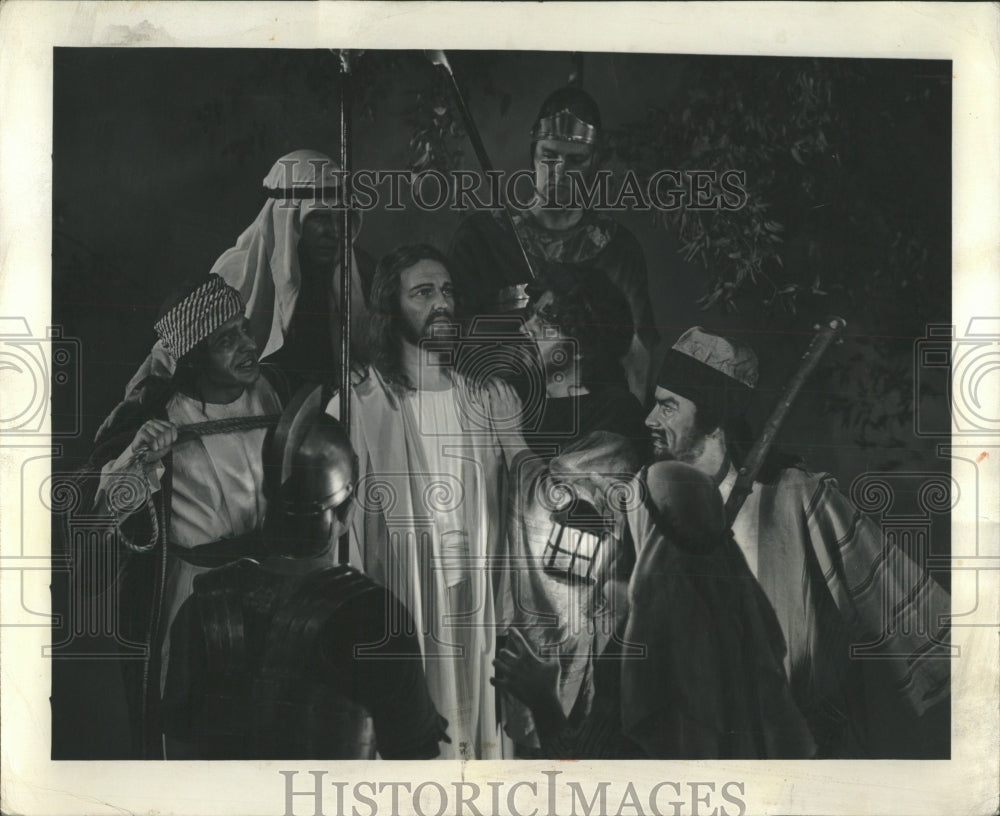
(580, 543)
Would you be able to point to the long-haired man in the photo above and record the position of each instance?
(429, 489)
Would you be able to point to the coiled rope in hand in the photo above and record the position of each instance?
(188, 433)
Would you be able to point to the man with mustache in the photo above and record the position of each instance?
(556, 231)
(429, 489)
(818, 559)
(183, 506)
(286, 266)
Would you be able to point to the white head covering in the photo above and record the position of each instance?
(264, 264)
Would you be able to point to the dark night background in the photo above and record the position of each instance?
(159, 155)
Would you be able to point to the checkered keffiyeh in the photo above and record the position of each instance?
(198, 315)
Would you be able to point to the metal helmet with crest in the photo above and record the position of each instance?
(312, 473)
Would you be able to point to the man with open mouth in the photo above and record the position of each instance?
(286, 267)
(182, 474)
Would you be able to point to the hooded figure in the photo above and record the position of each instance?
(696, 671)
(289, 257)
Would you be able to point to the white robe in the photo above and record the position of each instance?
(427, 524)
(217, 488)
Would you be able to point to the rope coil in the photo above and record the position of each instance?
(188, 433)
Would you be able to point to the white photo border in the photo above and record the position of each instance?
(966, 34)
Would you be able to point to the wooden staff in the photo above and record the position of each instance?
(347, 250)
(827, 333)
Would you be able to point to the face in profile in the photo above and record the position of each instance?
(426, 301)
(672, 426)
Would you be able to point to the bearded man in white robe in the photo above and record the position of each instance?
(429, 493)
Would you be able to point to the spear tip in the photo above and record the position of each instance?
(438, 58)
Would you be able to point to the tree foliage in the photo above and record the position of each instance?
(847, 175)
(847, 168)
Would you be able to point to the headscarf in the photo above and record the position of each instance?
(263, 266)
(264, 263)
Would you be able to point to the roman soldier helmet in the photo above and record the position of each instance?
(569, 114)
(312, 472)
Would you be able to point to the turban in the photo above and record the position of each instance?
(197, 315)
(716, 374)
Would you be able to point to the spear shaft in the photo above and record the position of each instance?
(346, 262)
(439, 59)
(346, 255)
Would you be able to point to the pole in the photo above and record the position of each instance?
(827, 333)
(346, 262)
(439, 59)
(346, 255)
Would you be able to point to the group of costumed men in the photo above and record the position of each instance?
(538, 566)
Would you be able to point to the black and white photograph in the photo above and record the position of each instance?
(524, 404)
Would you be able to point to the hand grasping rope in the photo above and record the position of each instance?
(188, 433)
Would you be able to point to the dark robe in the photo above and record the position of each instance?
(565, 420)
(311, 348)
(712, 683)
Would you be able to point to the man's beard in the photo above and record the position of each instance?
(428, 332)
(689, 452)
